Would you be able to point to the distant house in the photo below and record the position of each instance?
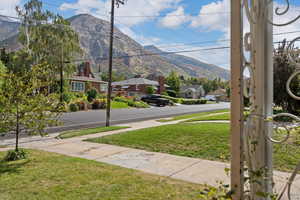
(192, 92)
(85, 79)
(220, 94)
(138, 86)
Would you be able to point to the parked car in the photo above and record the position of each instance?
(210, 98)
(156, 99)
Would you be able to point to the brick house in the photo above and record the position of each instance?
(85, 79)
(138, 86)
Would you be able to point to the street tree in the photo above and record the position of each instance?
(48, 38)
(173, 81)
(283, 69)
(25, 104)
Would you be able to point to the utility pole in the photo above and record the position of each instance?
(62, 75)
(109, 91)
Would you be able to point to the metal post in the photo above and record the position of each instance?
(237, 166)
(262, 48)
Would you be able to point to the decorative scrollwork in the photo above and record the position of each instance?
(280, 13)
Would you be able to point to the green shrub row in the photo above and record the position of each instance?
(193, 101)
(185, 101)
(131, 102)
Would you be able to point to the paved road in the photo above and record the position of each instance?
(97, 118)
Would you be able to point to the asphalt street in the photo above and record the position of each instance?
(94, 118)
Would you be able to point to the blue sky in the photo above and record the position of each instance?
(173, 25)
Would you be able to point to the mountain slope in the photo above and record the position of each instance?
(94, 39)
(8, 28)
(192, 66)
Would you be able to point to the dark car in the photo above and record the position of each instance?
(156, 99)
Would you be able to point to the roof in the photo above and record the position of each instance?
(136, 81)
(88, 79)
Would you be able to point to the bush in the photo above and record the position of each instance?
(98, 104)
(91, 95)
(13, 155)
(193, 101)
(172, 93)
(150, 90)
(73, 107)
(81, 105)
(67, 97)
(173, 99)
(140, 104)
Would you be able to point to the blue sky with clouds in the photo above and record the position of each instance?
(173, 25)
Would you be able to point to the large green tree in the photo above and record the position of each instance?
(24, 103)
(173, 81)
(283, 69)
(48, 38)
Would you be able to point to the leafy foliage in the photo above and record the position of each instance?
(48, 43)
(150, 90)
(283, 69)
(91, 95)
(13, 155)
(173, 81)
(24, 103)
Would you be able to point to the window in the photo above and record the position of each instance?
(78, 86)
(103, 87)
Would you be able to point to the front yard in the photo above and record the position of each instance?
(50, 176)
(204, 140)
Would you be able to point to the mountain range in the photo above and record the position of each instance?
(131, 57)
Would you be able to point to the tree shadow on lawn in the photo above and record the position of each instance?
(12, 167)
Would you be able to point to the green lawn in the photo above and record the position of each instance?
(205, 140)
(222, 116)
(50, 176)
(119, 105)
(188, 116)
(70, 134)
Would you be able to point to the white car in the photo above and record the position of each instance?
(210, 98)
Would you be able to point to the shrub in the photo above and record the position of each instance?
(73, 107)
(173, 99)
(150, 90)
(13, 155)
(172, 93)
(140, 104)
(67, 97)
(193, 101)
(91, 95)
(82, 105)
(98, 104)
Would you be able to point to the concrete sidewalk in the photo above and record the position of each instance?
(178, 167)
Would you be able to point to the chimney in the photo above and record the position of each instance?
(161, 82)
(87, 69)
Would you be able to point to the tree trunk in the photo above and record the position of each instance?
(17, 130)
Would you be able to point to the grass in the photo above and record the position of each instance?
(51, 176)
(119, 105)
(188, 116)
(70, 134)
(222, 116)
(206, 140)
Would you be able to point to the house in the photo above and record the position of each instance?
(192, 92)
(220, 94)
(138, 86)
(84, 79)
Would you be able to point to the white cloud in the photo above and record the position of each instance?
(139, 37)
(8, 7)
(213, 17)
(138, 8)
(175, 19)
